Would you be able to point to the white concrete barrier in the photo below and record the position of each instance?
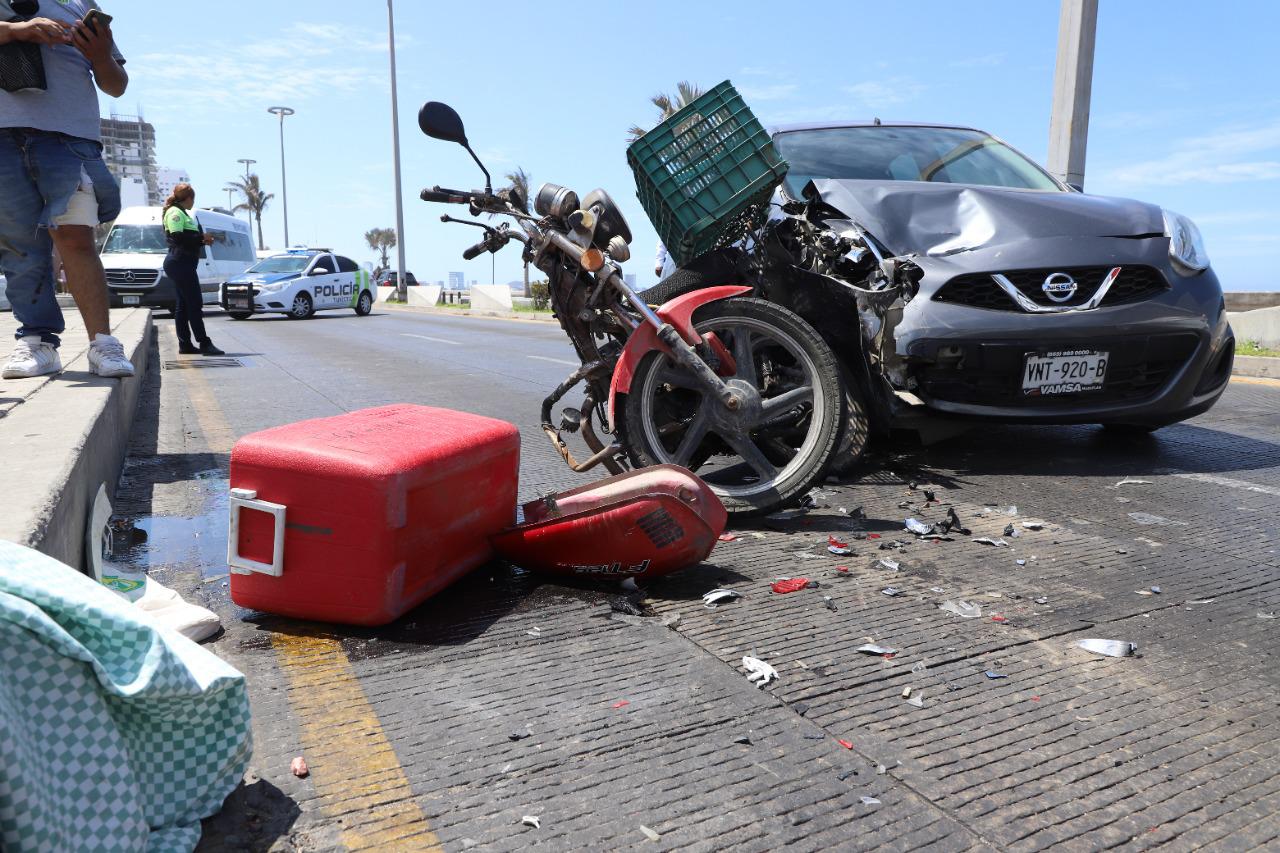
(427, 296)
(491, 297)
(1262, 326)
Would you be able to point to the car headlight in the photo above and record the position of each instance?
(271, 287)
(1186, 246)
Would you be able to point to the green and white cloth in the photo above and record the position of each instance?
(115, 734)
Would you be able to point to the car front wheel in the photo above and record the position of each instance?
(364, 304)
(302, 307)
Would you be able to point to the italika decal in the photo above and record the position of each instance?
(611, 569)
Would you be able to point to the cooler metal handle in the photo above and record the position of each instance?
(239, 564)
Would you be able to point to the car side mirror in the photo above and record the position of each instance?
(1077, 187)
(319, 271)
(441, 121)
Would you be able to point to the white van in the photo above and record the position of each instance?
(133, 256)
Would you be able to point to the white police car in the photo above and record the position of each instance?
(299, 282)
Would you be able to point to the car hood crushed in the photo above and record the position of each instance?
(911, 217)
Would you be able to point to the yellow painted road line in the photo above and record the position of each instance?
(353, 766)
(1256, 380)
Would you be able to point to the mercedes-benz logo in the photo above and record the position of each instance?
(129, 276)
(1059, 286)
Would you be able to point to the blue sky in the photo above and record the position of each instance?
(1185, 110)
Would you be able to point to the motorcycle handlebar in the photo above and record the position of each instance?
(476, 250)
(444, 195)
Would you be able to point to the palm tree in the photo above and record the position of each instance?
(520, 180)
(255, 200)
(686, 93)
(381, 240)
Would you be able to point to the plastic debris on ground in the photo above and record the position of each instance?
(828, 603)
(846, 744)
(514, 736)
(999, 618)
(759, 673)
(916, 701)
(1110, 648)
(953, 522)
(841, 777)
(534, 632)
(805, 555)
(1032, 525)
(890, 565)
(906, 692)
(298, 767)
(716, 597)
(1008, 510)
(995, 543)
(789, 585)
(1157, 590)
(965, 609)
(917, 527)
(726, 537)
(870, 801)
(672, 621)
(1130, 482)
(1021, 562)
(649, 833)
(1042, 600)
(992, 674)
(1266, 615)
(621, 704)
(875, 649)
(839, 551)
(919, 666)
(532, 820)
(891, 591)
(745, 740)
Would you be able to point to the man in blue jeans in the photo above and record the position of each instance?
(54, 187)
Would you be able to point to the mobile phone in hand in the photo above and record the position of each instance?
(96, 16)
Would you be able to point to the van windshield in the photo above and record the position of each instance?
(282, 263)
(137, 239)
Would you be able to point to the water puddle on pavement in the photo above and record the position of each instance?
(196, 542)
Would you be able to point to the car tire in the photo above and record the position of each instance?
(364, 304)
(238, 315)
(302, 307)
(855, 429)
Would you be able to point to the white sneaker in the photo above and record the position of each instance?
(106, 357)
(32, 357)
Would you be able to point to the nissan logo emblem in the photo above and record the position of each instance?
(1059, 286)
(129, 276)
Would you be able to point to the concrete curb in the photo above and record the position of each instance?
(1257, 365)
(63, 441)
(460, 312)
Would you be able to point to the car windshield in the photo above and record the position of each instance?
(887, 153)
(282, 263)
(137, 239)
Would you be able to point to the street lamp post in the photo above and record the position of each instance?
(401, 288)
(284, 185)
(248, 213)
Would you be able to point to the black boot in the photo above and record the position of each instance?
(187, 348)
(207, 348)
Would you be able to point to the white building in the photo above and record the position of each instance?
(167, 179)
(129, 150)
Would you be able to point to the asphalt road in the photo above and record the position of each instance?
(408, 729)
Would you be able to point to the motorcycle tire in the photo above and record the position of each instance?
(661, 400)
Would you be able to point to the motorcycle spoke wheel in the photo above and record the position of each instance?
(778, 444)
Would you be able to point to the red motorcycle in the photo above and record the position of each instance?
(718, 380)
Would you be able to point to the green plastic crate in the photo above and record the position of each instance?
(706, 174)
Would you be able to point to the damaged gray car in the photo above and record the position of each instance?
(958, 281)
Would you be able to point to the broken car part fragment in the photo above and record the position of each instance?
(1110, 648)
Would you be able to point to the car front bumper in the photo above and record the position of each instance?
(1170, 356)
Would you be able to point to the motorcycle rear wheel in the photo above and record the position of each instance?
(771, 452)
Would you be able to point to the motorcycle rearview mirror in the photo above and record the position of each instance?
(441, 121)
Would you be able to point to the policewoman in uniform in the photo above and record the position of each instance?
(186, 240)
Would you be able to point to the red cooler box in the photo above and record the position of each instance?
(361, 517)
